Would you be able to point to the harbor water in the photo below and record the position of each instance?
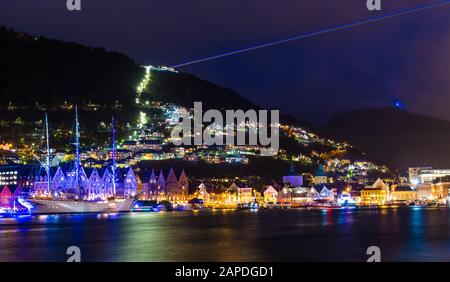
(402, 234)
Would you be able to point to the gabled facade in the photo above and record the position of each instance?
(284, 197)
(183, 185)
(312, 194)
(107, 181)
(161, 184)
(171, 183)
(96, 184)
(237, 195)
(6, 198)
(376, 194)
(99, 184)
(59, 181)
(130, 184)
(95, 187)
(153, 187)
(202, 193)
(270, 195)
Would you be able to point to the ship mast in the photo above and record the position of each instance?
(77, 150)
(47, 167)
(113, 155)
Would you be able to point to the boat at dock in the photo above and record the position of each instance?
(145, 206)
(248, 206)
(73, 206)
(74, 196)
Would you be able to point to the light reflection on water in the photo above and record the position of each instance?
(403, 234)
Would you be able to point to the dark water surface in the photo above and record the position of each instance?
(403, 234)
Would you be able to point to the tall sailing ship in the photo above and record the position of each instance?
(71, 192)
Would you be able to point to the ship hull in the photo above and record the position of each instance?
(56, 206)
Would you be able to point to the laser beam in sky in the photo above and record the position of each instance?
(323, 31)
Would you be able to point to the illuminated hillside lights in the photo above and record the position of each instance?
(238, 123)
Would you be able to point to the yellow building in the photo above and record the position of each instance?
(403, 193)
(440, 188)
(235, 195)
(376, 194)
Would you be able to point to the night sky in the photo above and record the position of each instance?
(407, 57)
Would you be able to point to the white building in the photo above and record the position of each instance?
(270, 194)
(414, 174)
(428, 175)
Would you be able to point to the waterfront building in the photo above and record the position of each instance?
(140, 185)
(230, 198)
(98, 184)
(235, 195)
(424, 192)
(403, 193)
(6, 198)
(183, 186)
(108, 181)
(414, 174)
(270, 195)
(153, 186)
(300, 195)
(73, 185)
(284, 197)
(376, 194)
(145, 194)
(172, 188)
(171, 183)
(312, 194)
(92, 184)
(151, 189)
(162, 188)
(326, 194)
(202, 193)
(440, 188)
(130, 184)
(429, 175)
(246, 195)
(9, 196)
(161, 184)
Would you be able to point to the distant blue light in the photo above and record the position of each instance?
(398, 104)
